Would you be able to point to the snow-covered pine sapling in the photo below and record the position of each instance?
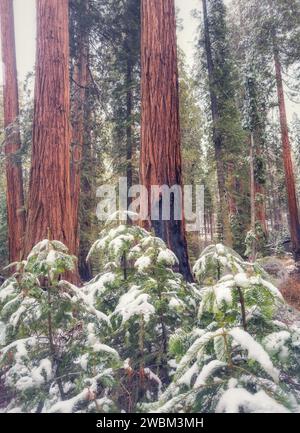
(223, 367)
(50, 358)
(227, 275)
(243, 299)
(117, 270)
(217, 261)
(145, 307)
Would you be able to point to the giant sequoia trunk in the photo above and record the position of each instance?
(287, 161)
(14, 178)
(49, 207)
(224, 201)
(79, 108)
(160, 130)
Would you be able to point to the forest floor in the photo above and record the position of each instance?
(287, 279)
(290, 289)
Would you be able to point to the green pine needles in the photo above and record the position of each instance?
(139, 338)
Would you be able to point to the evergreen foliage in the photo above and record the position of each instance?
(139, 338)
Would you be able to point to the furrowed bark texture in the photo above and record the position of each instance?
(160, 130)
(260, 206)
(49, 207)
(14, 191)
(287, 161)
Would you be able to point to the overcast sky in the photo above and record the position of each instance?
(26, 31)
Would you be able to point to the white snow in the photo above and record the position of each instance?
(175, 303)
(223, 293)
(68, 406)
(20, 346)
(242, 280)
(2, 333)
(51, 257)
(275, 344)
(142, 263)
(96, 345)
(15, 317)
(98, 287)
(207, 371)
(167, 257)
(45, 367)
(83, 361)
(220, 249)
(187, 377)
(88, 293)
(7, 291)
(255, 351)
(236, 399)
(99, 347)
(41, 246)
(134, 302)
(118, 243)
(232, 383)
(34, 377)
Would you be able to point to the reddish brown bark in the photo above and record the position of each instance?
(257, 190)
(232, 206)
(80, 85)
(14, 178)
(287, 161)
(49, 206)
(160, 162)
(260, 206)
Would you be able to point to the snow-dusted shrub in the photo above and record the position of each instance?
(145, 299)
(244, 299)
(216, 261)
(240, 359)
(51, 357)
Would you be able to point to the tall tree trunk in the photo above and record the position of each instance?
(78, 127)
(260, 206)
(49, 206)
(129, 153)
(287, 161)
(14, 179)
(224, 212)
(88, 197)
(232, 205)
(160, 129)
(252, 197)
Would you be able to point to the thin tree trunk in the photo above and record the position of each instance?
(232, 185)
(252, 197)
(129, 153)
(80, 79)
(259, 187)
(160, 129)
(87, 202)
(217, 139)
(260, 207)
(49, 206)
(16, 217)
(211, 226)
(287, 161)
